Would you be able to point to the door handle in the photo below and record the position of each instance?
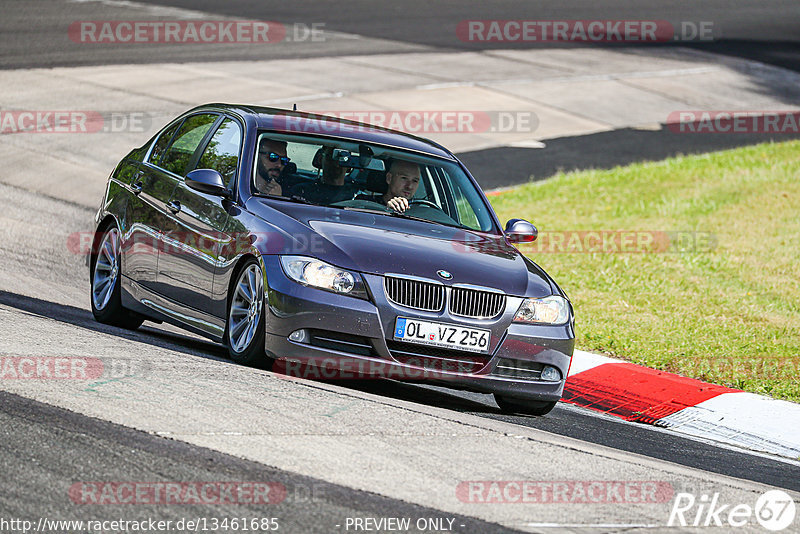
(174, 206)
(136, 187)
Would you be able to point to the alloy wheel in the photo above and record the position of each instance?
(106, 269)
(246, 308)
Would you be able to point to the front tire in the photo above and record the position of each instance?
(105, 280)
(518, 406)
(246, 327)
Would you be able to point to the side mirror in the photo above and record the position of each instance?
(521, 231)
(207, 181)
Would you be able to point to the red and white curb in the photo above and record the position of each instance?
(685, 405)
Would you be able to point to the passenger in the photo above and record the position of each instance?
(402, 180)
(270, 165)
(333, 186)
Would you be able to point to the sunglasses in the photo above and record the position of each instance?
(273, 157)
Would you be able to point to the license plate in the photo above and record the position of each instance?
(448, 336)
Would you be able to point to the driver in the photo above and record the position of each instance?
(402, 178)
(270, 166)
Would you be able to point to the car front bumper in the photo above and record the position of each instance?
(342, 337)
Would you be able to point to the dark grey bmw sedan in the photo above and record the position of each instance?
(329, 245)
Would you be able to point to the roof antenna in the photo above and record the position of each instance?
(294, 107)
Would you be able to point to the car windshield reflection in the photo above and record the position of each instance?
(372, 178)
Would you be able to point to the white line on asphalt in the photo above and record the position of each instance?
(577, 78)
(590, 525)
(303, 98)
(177, 12)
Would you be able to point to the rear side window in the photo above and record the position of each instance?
(161, 144)
(222, 152)
(191, 134)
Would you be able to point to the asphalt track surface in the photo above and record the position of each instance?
(50, 447)
(33, 31)
(766, 31)
(45, 449)
(564, 420)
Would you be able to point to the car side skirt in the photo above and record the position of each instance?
(140, 299)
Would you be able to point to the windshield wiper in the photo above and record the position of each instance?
(393, 213)
(402, 215)
(365, 210)
(293, 198)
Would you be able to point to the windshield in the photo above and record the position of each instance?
(359, 176)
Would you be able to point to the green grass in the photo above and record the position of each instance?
(728, 311)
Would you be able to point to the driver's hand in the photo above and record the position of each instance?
(398, 204)
(273, 188)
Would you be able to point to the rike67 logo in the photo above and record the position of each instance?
(774, 510)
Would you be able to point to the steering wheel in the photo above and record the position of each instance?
(424, 202)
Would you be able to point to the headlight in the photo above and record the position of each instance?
(316, 273)
(547, 310)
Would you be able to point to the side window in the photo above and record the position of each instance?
(188, 138)
(222, 152)
(302, 155)
(422, 188)
(466, 215)
(161, 144)
(469, 209)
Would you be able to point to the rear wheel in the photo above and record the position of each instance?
(512, 405)
(106, 300)
(244, 332)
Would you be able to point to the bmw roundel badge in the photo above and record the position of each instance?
(445, 274)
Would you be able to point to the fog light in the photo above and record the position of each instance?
(299, 336)
(551, 374)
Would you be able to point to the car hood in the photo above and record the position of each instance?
(380, 244)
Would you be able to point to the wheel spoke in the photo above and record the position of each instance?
(251, 282)
(248, 335)
(244, 291)
(238, 311)
(108, 252)
(236, 329)
(102, 266)
(105, 292)
(101, 283)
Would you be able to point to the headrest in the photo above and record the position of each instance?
(376, 181)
